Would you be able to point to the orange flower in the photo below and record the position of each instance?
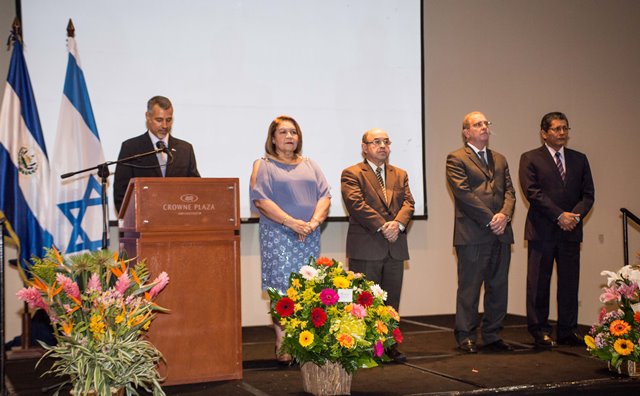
(381, 327)
(346, 340)
(636, 317)
(325, 261)
(619, 328)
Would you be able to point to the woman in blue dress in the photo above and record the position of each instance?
(292, 196)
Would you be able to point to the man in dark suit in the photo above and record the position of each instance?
(484, 201)
(178, 161)
(380, 205)
(557, 183)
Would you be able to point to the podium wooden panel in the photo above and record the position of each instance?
(189, 227)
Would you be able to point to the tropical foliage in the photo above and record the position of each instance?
(101, 309)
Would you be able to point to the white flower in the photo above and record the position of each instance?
(378, 292)
(630, 272)
(612, 277)
(308, 272)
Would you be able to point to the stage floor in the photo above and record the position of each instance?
(434, 367)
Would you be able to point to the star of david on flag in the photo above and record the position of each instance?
(79, 215)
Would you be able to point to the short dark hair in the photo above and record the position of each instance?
(270, 147)
(163, 102)
(545, 124)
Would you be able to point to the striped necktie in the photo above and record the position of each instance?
(563, 174)
(381, 181)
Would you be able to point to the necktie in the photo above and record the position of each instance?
(381, 181)
(563, 174)
(483, 159)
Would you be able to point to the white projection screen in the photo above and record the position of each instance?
(339, 67)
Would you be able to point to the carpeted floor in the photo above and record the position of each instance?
(434, 367)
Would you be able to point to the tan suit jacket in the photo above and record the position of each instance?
(479, 193)
(368, 211)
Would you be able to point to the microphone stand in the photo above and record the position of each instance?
(103, 172)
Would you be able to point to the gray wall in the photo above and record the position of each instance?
(515, 60)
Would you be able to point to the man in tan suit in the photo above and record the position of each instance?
(484, 202)
(380, 205)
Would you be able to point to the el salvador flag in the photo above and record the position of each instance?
(78, 215)
(25, 195)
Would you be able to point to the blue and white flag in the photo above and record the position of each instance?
(79, 215)
(25, 196)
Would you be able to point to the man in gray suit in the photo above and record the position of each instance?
(484, 201)
(380, 205)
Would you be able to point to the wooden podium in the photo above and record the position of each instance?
(189, 227)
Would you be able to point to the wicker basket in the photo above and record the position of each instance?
(329, 379)
(627, 367)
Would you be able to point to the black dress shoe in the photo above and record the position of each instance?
(544, 341)
(468, 346)
(573, 339)
(497, 346)
(396, 355)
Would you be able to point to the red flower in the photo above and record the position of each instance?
(284, 307)
(365, 299)
(318, 317)
(636, 317)
(324, 261)
(397, 335)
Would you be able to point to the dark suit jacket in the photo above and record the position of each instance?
(364, 200)
(183, 164)
(548, 196)
(479, 194)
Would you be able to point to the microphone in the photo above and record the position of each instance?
(161, 146)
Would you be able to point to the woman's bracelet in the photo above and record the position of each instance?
(285, 219)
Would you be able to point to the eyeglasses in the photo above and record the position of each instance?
(560, 129)
(481, 123)
(379, 142)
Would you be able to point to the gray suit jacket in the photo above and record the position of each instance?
(479, 194)
(364, 200)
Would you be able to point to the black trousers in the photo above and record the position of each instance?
(541, 256)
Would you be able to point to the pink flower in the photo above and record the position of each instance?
(378, 349)
(603, 312)
(609, 294)
(32, 297)
(94, 284)
(358, 311)
(329, 296)
(629, 291)
(123, 283)
(69, 286)
(161, 282)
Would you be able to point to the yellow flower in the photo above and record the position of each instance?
(382, 311)
(97, 326)
(393, 313)
(381, 327)
(296, 283)
(623, 347)
(332, 310)
(309, 295)
(340, 282)
(120, 318)
(292, 293)
(146, 325)
(297, 307)
(346, 340)
(619, 328)
(306, 338)
(591, 343)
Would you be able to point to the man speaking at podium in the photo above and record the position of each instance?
(177, 159)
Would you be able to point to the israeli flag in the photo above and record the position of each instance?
(79, 215)
(25, 195)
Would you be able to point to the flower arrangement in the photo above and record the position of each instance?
(329, 314)
(100, 310)
(615, 338)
